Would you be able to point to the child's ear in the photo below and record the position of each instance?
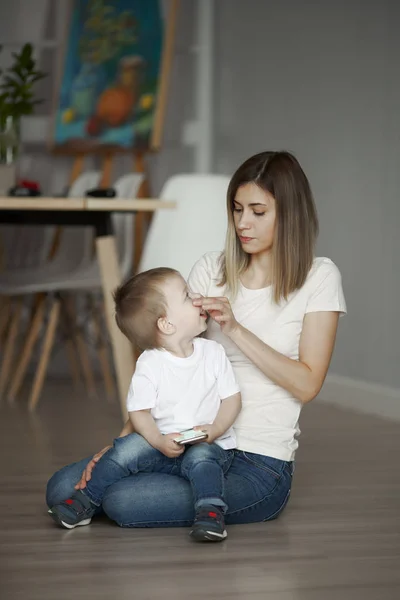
(165, 327)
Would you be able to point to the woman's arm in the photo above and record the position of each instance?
(302, 378)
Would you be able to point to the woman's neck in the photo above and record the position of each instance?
(258, 273)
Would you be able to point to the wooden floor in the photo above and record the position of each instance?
(339, 538)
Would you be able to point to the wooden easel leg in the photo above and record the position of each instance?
(142, 219)
(45, 354)
(10, 345)
(27, 350)
(106, 171)
(76, 171)
(70, 348)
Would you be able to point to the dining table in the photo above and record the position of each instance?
(97, 213)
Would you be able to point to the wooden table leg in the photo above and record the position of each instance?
(122, 349)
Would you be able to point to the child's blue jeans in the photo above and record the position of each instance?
(203, 465)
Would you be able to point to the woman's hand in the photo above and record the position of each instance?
(220, 311)
(87, 473)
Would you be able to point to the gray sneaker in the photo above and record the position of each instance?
(73, 512)
(209, 525)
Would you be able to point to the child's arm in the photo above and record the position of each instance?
(144, 424)
(226, 416)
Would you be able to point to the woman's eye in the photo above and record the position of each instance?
(237, 210)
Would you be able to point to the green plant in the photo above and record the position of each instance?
(17, 97)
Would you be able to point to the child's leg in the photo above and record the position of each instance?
(204, 466)
(128, 456)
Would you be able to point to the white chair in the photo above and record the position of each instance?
(177, 238)
(85, 277)
(74, 250)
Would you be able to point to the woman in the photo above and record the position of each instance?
(275, 309)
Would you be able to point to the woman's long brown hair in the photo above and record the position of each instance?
(296, 229)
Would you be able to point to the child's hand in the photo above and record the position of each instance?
(168, 447)
(212, 433)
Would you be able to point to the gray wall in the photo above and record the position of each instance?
(321, 78)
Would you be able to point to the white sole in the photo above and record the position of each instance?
(67, 525)
(208, 536)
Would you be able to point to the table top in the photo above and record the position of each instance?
(85, 204)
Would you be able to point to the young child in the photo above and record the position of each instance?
(181, 381)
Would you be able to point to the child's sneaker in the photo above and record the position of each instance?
(209, 525)
(73, 512)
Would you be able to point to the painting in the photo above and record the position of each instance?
(112, 81)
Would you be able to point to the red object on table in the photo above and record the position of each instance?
(30, 185)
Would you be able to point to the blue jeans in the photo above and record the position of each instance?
(257, 488)
(203, 465)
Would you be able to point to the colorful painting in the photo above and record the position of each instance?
(107, 99)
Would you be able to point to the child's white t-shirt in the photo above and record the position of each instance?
(184, 392)
(268, 422)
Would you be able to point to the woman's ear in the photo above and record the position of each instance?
(165, 327)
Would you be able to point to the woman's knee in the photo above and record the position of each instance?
(149, 500)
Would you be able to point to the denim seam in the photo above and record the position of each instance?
(262, 467)
(229, 513)
(279, 510)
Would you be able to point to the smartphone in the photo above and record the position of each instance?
(190, 436)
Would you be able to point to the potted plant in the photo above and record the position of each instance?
(17, 99)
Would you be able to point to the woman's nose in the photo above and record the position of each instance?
(243, 223)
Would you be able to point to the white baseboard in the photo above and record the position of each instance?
(361, 396)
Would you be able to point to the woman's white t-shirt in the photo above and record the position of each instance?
(268, 422)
